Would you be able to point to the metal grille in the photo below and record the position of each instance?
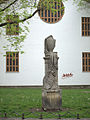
(48, 15)
(12, 61)
(86, 62)
(85, 26)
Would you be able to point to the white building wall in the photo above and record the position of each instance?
(69, 45)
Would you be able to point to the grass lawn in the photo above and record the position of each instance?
(28, 100)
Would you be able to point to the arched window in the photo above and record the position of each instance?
(52, 11)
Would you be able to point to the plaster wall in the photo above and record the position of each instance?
(69, 45)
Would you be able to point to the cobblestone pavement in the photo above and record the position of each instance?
(43, 119)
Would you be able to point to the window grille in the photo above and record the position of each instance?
(12, 29)
(86, 62)
(48, 15)
(12, 61)
(85, 26)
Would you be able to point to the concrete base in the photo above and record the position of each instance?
(51, 99)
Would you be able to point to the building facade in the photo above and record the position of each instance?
(72, 34)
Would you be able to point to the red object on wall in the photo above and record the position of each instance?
(67, 75)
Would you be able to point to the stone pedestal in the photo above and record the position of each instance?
(51, 99)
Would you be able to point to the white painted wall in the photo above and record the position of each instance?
(69, 45)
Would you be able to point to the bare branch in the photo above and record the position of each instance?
(3, 24)
(9, 5)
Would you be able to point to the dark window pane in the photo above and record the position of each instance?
(48, 19)
(86, 54)
(88, 26)
(45, 13)
(83, 61)
(48, 13)
(83, 68)
(7, 68)
(16, 61)
(7, 54)
(13, 62)
(10, 61)
(85, 26)
(82, 26)
(82, 33)
(89, 68)
(83, 19)
(83, 54)
(52, 19)
(89, 19)
(10, 68)
(10, 54)
(55, 19)
(16, 68)
(13, 68)
(86, 61)
(58, 13)
(55, 14)
(7, 61)
(85, 33)
(89, 55)
(42, 13)
(16, 26)
(59, 6)
(52, 14)
(16, 54)
(89, 61)
(55, 5)
(86, 68)
(88, 33)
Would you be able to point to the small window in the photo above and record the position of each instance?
(12, 29)
(85, 26)
(12, 61)
(86, 62)
(52, 15)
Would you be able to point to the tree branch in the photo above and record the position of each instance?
(9, 5)
(3, 24)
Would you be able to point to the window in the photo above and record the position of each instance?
(12, 29)
(49, 16)
(12, 61)
(86, 62)
(85, 26)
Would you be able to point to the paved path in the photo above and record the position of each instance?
(43, 119)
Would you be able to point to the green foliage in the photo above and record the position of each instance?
(20, 8)
(82, 4)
